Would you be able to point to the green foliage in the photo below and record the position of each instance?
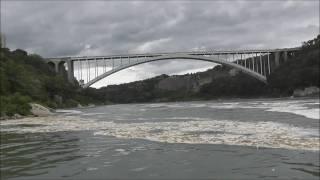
(15, 104)
(241, 85)
(300, 71)
(24, 75)
(311, 44)
(71, 103)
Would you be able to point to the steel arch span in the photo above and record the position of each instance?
(185, 57)
(256, 63)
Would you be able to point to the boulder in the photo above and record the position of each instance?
(306, 92)
(39, 110)
(298, 93)
(17, 116)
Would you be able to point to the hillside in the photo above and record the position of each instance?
(27, 78)
(300, 71)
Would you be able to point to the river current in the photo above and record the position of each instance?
(234, 139)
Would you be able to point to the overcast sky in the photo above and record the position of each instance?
(76, 28)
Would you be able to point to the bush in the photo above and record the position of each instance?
(16, 103)
(71, 103)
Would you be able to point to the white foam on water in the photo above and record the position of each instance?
(311, 113)
(138, 169)
(298, 107)
(92, 114)
(197, 105)
(229, 106)
(179, 118)
(231, 103)
(163, 118)
(92, 169)
(293, 107)
(257, 134)
(262, 134)
(165, 105)
(69, 111)
(121, 152)
(313, 103)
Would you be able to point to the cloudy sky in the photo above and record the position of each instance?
(83, 28)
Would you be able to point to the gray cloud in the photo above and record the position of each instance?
(72, 28)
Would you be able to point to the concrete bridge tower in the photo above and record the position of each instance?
(59, 67)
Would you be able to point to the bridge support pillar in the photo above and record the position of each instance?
(277, 59)
(70, 71)
(56, 67)
(285, 56)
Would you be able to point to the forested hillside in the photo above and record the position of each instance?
(27, 78)
(300, 71)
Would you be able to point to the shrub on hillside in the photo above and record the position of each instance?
(15, 104)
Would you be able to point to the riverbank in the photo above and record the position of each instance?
(43, 111)
(37, 110)
(226, 99)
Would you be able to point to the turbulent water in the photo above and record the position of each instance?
(238, 139)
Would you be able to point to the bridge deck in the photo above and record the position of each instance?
(149, 55)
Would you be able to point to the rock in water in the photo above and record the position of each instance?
(306, 92)
(17, 116)
(39, 110)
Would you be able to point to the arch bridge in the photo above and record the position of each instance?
(91, 69)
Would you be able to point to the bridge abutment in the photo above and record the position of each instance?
(58, 65)
(70, 71)
(285, 56)
(277, 59)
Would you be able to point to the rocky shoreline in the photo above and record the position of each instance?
(309, 91)
(37, 110)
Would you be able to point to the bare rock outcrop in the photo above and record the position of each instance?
(306, 91)
(39, 110)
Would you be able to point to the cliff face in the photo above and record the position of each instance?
(309, 91)
(174, 83)
(193, 82)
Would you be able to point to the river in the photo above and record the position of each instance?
(230, 139)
